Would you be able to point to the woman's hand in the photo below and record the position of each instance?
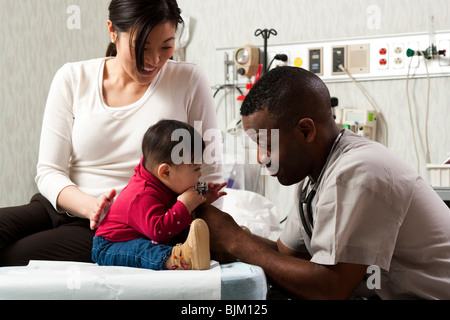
(103, 204)
(73, 200)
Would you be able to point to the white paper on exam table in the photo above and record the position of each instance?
(50, 280)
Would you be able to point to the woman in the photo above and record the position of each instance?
(96, 115)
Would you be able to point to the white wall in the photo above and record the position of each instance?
(35, 42)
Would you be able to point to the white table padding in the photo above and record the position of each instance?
(241, 281)
(50, 280)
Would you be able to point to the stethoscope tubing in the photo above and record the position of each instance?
(313, 192)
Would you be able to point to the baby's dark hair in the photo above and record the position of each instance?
(172, 142)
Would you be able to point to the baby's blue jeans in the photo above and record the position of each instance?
(139, 253)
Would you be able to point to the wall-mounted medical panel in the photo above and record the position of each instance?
(367, 59)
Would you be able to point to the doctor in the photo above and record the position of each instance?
(358, 205)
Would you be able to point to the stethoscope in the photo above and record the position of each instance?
(307, 199)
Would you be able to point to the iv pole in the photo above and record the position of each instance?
(266, 33)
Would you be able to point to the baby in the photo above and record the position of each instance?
(158, 205)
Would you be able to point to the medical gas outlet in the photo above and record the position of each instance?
(361, 122)
(432, 51)
(428, 54)
(246, 60)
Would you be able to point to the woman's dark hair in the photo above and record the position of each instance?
(166, 142)
(139, 17)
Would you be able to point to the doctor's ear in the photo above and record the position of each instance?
(306, 130)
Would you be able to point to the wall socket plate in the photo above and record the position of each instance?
(358, 58)
(316, 61)
(357, 51)
(339, 57)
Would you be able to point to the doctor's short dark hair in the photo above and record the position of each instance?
(289, 94)
(172, 142)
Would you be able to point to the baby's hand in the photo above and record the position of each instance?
(191, 199)
(214, 192)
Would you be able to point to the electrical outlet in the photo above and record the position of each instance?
(398, 63)
(383, 56)
(339, 58)
(398, 57)
(398, 48)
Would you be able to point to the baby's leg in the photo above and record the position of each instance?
(140, 253)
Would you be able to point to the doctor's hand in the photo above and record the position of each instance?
(224, 232)
(103, 204)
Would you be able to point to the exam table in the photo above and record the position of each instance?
(51, 280)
